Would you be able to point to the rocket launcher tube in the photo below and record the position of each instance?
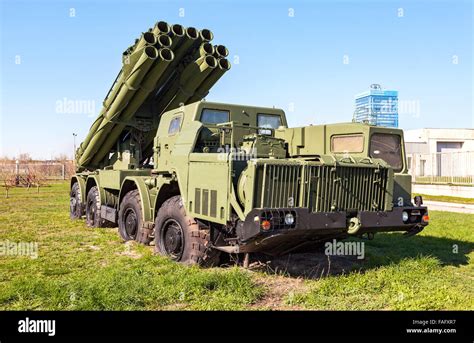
(191, 78)
(161, 27)
(206, 35)
(180, 92)
(165, 56)
(188, 81)
(191, 35)
(131, 82)
(203, 89)
(177, 33)
(163, 41)
(147, 38)
(206, 49)
(177, 30)
(221, 51)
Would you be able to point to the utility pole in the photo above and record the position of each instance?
(74, 135)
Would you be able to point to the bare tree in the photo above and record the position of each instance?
(8, 179)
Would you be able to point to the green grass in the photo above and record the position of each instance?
(446, 198)
(433, 270)
(79, 268)
(82, 268)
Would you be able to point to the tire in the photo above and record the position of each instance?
(180, 237)
(75, 205)
(130, 216)
(93, 208)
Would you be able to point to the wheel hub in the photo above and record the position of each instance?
(172, 239)
(131, 223)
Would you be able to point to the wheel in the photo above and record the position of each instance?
(93, 208)
(180, 237)
(130, 216)
(75, 205)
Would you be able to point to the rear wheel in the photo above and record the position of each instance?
(130, 216)
(75, 205)
(180, 237)
(93, 208)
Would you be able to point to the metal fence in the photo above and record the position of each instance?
(453, 168)
(42, 171)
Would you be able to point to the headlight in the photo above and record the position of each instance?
(405, 216)
(289, 219)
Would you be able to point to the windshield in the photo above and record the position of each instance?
(268, 121)
(388, 148)
(210, 116)
(347, 143)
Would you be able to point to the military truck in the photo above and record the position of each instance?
(202, 179)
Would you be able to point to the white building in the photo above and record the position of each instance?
(441, 161)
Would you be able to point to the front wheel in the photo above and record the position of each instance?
(180, 237)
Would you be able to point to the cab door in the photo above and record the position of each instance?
(166, 142)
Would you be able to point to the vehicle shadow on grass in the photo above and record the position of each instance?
(384, 250)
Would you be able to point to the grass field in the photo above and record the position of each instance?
(79, 268)
(447, 198)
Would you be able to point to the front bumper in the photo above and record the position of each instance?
(318, 226)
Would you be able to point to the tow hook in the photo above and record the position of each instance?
(417, 229)
(354, 226)
(368, 236)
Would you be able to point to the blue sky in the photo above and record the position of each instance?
(308, 57)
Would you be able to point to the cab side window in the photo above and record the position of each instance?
(175, 125)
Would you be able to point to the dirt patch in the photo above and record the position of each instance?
(128, 251)
(284, 276)
(278, 289)
(313, 265)
(309, 265)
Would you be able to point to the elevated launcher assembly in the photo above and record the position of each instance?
(167, 67)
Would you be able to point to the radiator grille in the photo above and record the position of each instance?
(321, 188)
(282, 185)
